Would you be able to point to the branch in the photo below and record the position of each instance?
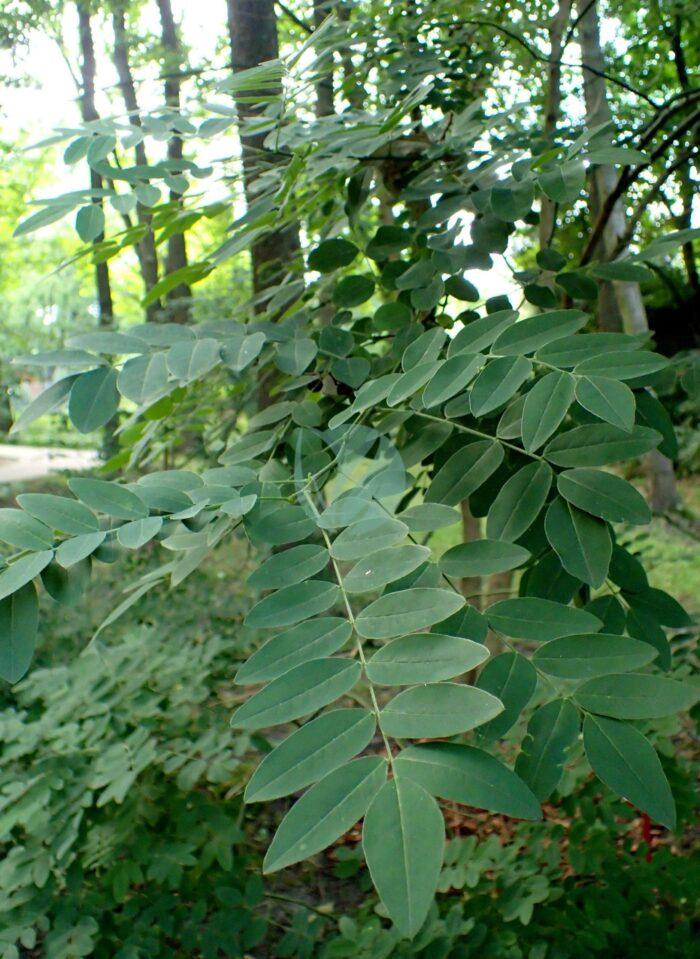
(627, 178)
(294, 18)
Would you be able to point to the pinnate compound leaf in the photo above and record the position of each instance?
(581, 542)
(512, 679)
(592, 655)
(519, 502)
(539, 619)
(551, 732)
(603, 494)
(300, 644)
(436, 710)
(298, 692)
(627, 763)
(292, 604)
(310, 753)
(482, 557)
(407, 610)
(325, 812)
(635, 696)
(19, 620)
(424, 658)
(468, 775)
(403, 840)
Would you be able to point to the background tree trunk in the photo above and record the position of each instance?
(89, 113)
(631, 313)
(252, 29)
(324, 86)
(178, 298)
(552, 108)
(146, 248)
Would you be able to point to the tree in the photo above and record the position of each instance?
(419, 395)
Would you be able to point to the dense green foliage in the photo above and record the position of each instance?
(367, 398)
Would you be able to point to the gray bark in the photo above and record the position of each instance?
(552, 108)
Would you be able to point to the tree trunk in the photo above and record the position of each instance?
(89, 113)
(146, 248)
(552, 108)
(252, 29)
(685, 178)
(631, 313)
(180, 297)
(324, 86)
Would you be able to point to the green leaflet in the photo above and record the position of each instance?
(622, 365)
(539, 619)
(403, 840)
(108, 498)
(298, 692)
(531, 334)
(46, 402)
(519, 502)
(405, 611)
(607, 399)
(138, 532)
(294, 356)
(367, 536)
(384, 566)
(276, 524)
(657, 603)
(480, 334)
(467, 775)
(545, 407)
(604, 495)
(424, 658)
(310, 753)
(64, 586)
(301, 644)
(600, 445)
(591, 655)
(512, 679)
(19, 621)
(353, 290)
(59, 512)
(22, 571)
(427, 517)
(581, 542)
(424, 348)
(248, 447)
(436, 710)
(94, 399)
(72, 551)
(551, 732)
(289, 567)
(498, 382)
(635, 696)
(332, 254)
(625, 761)
(571, 350)
(292, 604)
(143, 378)
(18, 528)
(464, 472)
(349, 509)
(482, 557)
(411, 381)
(453, 375)
(325, 812)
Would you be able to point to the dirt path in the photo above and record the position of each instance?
(19, 463)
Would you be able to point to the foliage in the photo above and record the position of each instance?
(356, 407)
